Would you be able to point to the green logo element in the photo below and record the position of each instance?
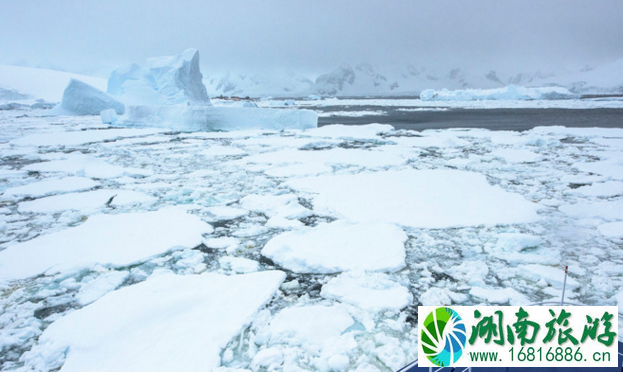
(443, 337)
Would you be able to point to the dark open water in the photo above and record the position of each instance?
(494, 119)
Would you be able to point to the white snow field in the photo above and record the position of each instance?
(254, 250)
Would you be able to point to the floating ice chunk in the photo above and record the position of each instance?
(283, 223)
(339, 246)
(370, 131)
(431, 140)
(100, 286)
(286, 206)
(369, 291)
(436, 297)
(610, 210)
(515, 156)
(470, 272)
(612, 229)
(227, 213)
(109, 116)
(604, 189)
(553, 276)
(130, 197)
(500, 296)
(115, 240)
(82, 99)
(510, 92)
(50, 186)
(515, 242)
(612, 168)
(239, 264)
(270, 359)
(165, 81)
(419, 198)
(181, 322)
(222, 242)
(194, 118)
(82, 201)
(309, 326)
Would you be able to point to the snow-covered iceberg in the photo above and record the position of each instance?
(170, 80)
(169, 92)
(82, 99)
(510, 92)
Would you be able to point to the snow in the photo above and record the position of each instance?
(605, 189)
(516, 155)
(500, 296)
(109, 116)
(103, 284)
(115, 240)
(612, 229)
(370, 291)
(197, 118)
(510, 92)
(227, 213)
(178, 322)
(82, 99)
(286, 205)
(72, 138)
(339, 246)
(239, 264)
(83, 201)
(299, 188)
(358, 157)
(27, 80)
(83, 165)
(222, 242)
(310, 326)
(418, 198)
(171, 80)
(50, 186)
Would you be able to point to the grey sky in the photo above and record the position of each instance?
(313, 36)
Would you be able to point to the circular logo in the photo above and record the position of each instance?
(443, 336)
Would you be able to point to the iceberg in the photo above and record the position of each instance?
(196, 118)
(169, 92)
(170, 80)
(510, 92)
(82, 99)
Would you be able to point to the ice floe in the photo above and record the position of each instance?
(176, 321)
(340, 246)
(115, 240)
(418, 198)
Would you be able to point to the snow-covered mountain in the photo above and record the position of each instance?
(410, 79)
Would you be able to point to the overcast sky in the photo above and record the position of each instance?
(313, 36)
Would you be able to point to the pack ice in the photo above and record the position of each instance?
(168, 323)
(114, 240)
(511, 92)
